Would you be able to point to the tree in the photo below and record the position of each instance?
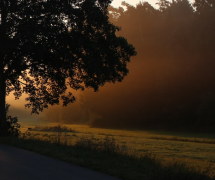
(163, 5)
(48, 47)
(137, 22)
(204, 6)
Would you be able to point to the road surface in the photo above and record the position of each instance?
(19, 164)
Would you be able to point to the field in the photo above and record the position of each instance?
(197, 150)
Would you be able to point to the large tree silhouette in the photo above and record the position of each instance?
(47, 46)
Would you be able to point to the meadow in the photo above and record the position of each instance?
(194, 149)
(125, 154)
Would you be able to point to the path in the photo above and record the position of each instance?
(19, 164)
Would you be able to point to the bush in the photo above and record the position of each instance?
(12, 125)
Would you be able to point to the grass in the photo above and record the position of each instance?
(130, 155)
(184, 140)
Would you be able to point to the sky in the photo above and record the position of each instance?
(117, 3)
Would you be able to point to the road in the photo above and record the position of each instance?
(19, 164)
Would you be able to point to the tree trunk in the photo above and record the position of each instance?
(3, 44)
(3, 124)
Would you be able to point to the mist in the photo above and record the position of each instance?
(170, 84)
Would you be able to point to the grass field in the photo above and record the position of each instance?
(197, 150)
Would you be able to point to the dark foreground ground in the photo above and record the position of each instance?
(19, 164)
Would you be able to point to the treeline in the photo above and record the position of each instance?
(171, 84)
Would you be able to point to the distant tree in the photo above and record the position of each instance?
(204, 6)
(163, 5)
(179, 23)
(137, 24)
(206, 112)
(47, 46)
(205, 25)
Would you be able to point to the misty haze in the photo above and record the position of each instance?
(170, 81)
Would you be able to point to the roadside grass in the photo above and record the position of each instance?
(129, 155)
(108, 157)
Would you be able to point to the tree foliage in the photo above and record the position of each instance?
(12, 124)
(47, 46)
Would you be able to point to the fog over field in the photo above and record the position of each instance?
(170, 84)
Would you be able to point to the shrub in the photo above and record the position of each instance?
(12, 124)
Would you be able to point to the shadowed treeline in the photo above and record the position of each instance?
(171, 80)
